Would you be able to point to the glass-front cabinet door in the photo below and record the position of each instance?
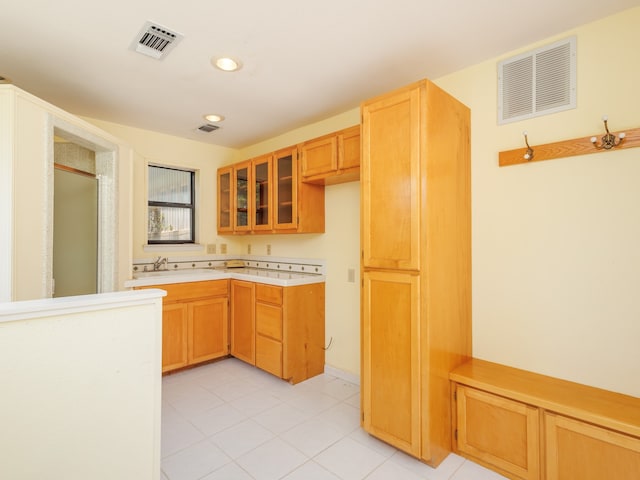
(285, 164)
(225, 222)
(262, 215)
(242, 195)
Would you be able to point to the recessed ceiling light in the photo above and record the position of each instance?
(226, 64)
(212, 117)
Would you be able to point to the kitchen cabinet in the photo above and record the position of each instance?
(286, 337)
(575, 449)
(268, 197)
(225, 200)
(242, 197)
(333, 158)
(299, 206)
(416, 261)
(528, 426)
(262, 195)
(194, 323)
(243, 336)
(498, 431)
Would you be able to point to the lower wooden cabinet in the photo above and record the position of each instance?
(530, 426)
(279, 329)
(194, 323)
(208, 330)
(578, 450)
(269, 328)
(174, 336)
(243, 343)
(498, 431)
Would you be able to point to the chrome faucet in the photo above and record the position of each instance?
(158, 263)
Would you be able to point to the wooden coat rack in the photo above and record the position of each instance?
(570, 148)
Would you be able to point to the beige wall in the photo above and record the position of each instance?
(158, 148)
(81, 387)
(555, 244)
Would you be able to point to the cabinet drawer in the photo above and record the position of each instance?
(269, 293)
(269, 355)
(191, 290)
(269, 321)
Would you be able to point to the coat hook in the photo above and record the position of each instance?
(529, 153)
(608, 139)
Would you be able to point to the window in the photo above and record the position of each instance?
(171, 211)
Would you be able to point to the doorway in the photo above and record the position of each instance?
(75, 230)
(90, 161)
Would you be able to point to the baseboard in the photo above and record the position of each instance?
(341, 374)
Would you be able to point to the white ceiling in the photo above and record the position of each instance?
(303, 60)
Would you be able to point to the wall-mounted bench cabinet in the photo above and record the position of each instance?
(530, 426)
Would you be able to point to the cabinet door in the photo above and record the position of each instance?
(576, 450)
(286, 189)
(319, 156)
(349, 148)
(243, 334)
(225, 223)
(208, 329)
(174, 336)
(498, 432)
(242, 196)
(391, 367)
(262, 208)
(391, 182)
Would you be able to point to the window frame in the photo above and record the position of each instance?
(191, 206)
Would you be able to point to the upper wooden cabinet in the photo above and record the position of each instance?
(416, 264)
(333, 158)
(391, 181)
(268, 197)
(242, 196)
(262, 197)
(225, 200)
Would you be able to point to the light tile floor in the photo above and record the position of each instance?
(231, 421)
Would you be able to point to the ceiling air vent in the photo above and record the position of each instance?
(208, 128)
(538, 82)
(155, 40)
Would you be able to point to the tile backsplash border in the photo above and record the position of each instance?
(285, 264)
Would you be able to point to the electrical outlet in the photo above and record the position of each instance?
(223, 248)
(211, 248)
(249, 249)
(268, 249)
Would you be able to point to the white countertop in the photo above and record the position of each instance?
(271, 277)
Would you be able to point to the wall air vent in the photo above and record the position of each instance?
(208, 128)
(538, 82)
(155, 40)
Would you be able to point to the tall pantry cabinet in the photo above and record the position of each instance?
(416, 264)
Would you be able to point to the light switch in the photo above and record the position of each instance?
(351, 275)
